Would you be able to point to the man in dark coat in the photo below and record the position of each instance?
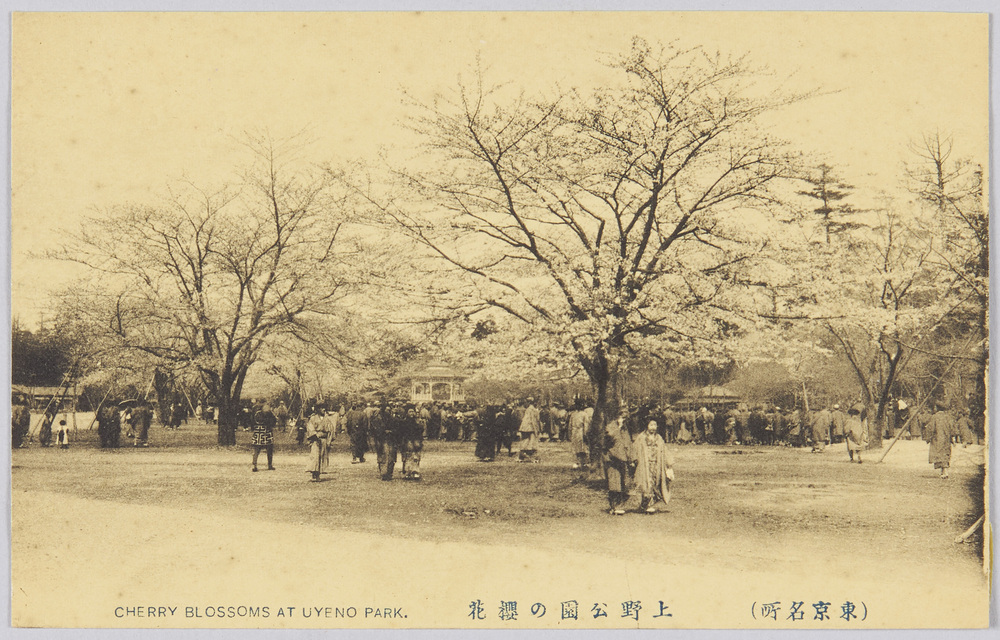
(45, 430)
(938, 433)
(487, 437)
(617, 456)
(821, 427)
(263, 436)
(357, 431)
(109, 426)
(412, 440)
(386, 431)
(512, 420)
(20, 421)
(142, 417)
(703, 425)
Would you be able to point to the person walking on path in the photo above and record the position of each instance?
(938, 433)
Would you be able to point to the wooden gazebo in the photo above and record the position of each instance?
(437, 382)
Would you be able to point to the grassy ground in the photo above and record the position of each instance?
(744, 507)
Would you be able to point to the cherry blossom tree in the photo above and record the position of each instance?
(631, 219)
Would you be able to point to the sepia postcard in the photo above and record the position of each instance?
(500, 320)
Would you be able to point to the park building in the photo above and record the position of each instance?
(436, 382)
(62, 399)
(714, 398)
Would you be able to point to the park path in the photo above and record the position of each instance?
(83, 562)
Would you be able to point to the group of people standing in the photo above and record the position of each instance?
(136, 421)
(395, 431)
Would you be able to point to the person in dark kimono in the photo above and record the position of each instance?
(109, 426)
(176, 416)
(20, 422)
(301, 428)
(838, 422)
(703, 425)
(263, 436)
(820, 428)
(654, 468)
(357, 431)
(938, 433)
(281, 414)
(617, 456)
(142, 417)
(45, 430)
(509, 422)
(670, 425)
(386, 430)
(412, 440)
(487, 438)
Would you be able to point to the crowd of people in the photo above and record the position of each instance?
(396, 432)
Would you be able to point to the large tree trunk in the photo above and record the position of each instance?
(161, 386)
(228, 411)
(229, 406)
(608, 383)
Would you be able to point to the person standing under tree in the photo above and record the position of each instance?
(617, 455)
(263, 436)
(654, 468)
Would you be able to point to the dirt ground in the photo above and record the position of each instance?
(186, 524)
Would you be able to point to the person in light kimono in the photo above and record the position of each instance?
(318, 435)
(654, 468)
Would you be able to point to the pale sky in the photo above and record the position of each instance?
(109, 108)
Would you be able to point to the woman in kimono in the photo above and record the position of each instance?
(617, 455)
(654, 468)
(856, 432)
(318, 435)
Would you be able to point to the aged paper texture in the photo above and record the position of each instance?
(754, 244)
